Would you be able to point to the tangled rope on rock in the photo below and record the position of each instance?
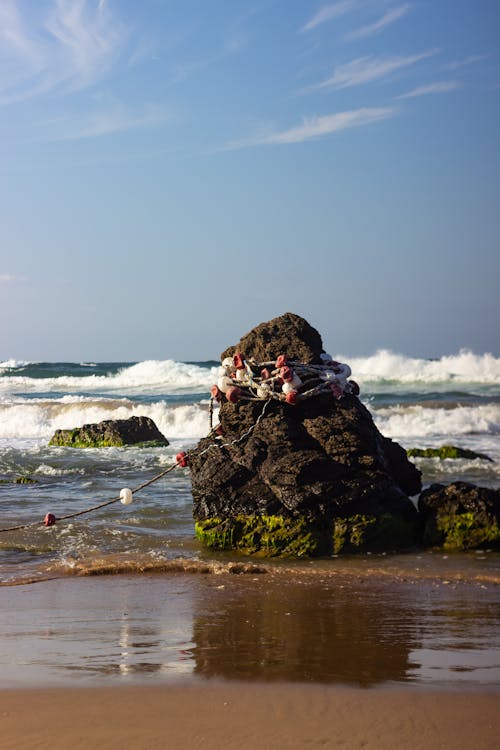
(283, 380)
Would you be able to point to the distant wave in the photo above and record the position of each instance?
(12, 364)
(464, 367)
(419, 421)
(41, 417)
(150, 376)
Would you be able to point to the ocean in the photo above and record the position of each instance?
(419, 403)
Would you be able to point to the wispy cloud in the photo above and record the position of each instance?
(8, 278)
(317, 127)
(106, 121)
(328, 12)
(368, 69)
(390, 17)
(440, 87)
(470, 60)
(72, 46)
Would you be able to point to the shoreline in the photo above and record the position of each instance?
(218, 715)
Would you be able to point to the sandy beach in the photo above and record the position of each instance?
(288, 717)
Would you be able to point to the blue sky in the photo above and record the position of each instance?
(175, 172)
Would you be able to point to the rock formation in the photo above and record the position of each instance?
(139, 431)
(460, 516)
(310, 477)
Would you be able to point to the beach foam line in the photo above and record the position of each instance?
(405, 571)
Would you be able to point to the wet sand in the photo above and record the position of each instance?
(218, 716)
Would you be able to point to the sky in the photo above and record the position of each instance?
(174, 172)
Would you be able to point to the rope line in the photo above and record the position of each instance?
(147, 482)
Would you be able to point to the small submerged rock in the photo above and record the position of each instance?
(138, 431)
(446, 451)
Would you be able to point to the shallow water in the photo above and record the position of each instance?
(127, 593)
(279, 625)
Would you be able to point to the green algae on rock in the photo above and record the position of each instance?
(112, 433)
(460, 516)
(270, 536)
(446, 451)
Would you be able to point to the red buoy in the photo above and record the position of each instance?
(286, 374)
(239, 361)
(292, 397)
(233, 394)
(216, 393)
(182, 459)
(336, 390)
(219, 431)
(281, 361)
(265, 374)
(49, 519)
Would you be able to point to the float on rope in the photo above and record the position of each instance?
(284, 379)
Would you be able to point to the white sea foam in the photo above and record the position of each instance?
(12, 364)
(402, 422)
(151, 376)
(464, 367)
(40, 418)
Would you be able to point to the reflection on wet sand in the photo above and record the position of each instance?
(272, 627)
(303, 631)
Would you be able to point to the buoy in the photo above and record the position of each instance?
(280, 361)
(287, 388)
(239, 361)
(265, 374)
(342, 371)
(182, 459)
(49, 519)
(233, 394)
(216, 393)
(292, 397)
(355, 390)
(241, 375)
(224, 383)
(286, 373)
(220, 431)
(126, 496)
(227, 362)
(336, 390)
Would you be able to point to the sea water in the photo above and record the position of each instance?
(419, 403)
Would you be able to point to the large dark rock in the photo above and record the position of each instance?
(289, 333)
(460, 516)
(111, 433)
(312, 478)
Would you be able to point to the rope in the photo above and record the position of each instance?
(148, 482)
(252, 384)
(96, 507)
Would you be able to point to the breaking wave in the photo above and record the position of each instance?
(152, 376)
(464, 367)
(41, 417)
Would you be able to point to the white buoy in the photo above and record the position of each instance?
(224, 383)
(227, 363)
(126, 496)
(241, 376)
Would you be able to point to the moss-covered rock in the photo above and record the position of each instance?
(367, 533)
(19, 480)
(112, 433)
(460, 516)
(446, 451)
(270, 536)
(277, 536)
